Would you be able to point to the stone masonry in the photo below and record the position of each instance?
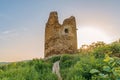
(60, 38)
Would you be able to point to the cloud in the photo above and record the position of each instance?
(6, 32)
(9, 31)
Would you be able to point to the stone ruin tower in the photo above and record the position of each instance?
(60, 38)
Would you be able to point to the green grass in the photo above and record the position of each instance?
(36, 69)
(102, 63)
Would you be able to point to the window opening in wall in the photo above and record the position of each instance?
(66, 31)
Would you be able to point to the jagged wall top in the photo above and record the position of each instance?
(53, 18)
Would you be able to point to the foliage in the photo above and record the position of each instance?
(89, 48)
(99, 52)
(109, 71)
(100, 48)
(53, 59)
(100, 62)
(115, 49)
(67, 61)
(35, 69)
(80, 69)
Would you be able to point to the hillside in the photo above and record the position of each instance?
(99, 63)
(2, 63)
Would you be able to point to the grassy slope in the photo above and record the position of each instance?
(36, 69)
(73, 67)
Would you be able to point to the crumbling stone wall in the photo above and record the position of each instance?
(60, 38)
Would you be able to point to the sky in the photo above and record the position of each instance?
(22, 24)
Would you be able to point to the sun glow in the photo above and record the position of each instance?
(87, 35)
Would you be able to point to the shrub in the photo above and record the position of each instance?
(80, 69)
(67, 61)
(53, 59)
(99, 52)
(109, 71)
(115, 47)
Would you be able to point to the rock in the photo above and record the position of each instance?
(60, 38)
(56, 69)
